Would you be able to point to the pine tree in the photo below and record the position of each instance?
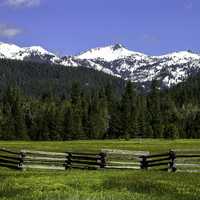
(77, 128)
(98, 116)
(13, 110)
(155, 110)
(171, 131)
(115, 126)
(54, 121)
(193, 125)
(85, 120)
(68, 124)
(143, 128)
(129, 112)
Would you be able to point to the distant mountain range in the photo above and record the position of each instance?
(116, 60)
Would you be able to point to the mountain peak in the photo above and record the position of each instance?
(117, 46)
(108, 53)
(9, 50)
(38, 49)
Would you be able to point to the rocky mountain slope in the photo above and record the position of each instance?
(118, 61)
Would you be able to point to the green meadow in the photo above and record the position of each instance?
(101, 184)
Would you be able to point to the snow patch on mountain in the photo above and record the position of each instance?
(109, 53)
(37, 49)
(34, 53)
(181, 55)
(9, 50)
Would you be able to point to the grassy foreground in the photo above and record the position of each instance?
(99, 185)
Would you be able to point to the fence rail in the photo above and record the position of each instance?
(10, 159)
(174, 160)
(123, 159)
(165, 161)
(188, 160)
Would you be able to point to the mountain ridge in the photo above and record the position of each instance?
(170, 69)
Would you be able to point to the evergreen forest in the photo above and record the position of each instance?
(46, 102)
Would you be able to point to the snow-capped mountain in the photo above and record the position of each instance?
(118, 61)
(34, 53)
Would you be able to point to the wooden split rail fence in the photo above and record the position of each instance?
(174, 160)
(123, 159)
(10, 159)
(26, 159)
(165, 161)
(188, 160)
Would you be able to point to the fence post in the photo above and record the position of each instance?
(103, 160)
(172, 163)
(68, 162)
(144, 163)
(21, 162)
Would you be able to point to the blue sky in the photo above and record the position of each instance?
(70, 26)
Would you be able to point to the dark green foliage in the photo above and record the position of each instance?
(129, 112)
(13, 123)
(171, 131)
(44, 80)
(101, 110)
(193, 126)
(154, 107)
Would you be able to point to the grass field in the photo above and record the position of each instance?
(100, 185)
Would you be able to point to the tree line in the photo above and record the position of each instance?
(99, 114)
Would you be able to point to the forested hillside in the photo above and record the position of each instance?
(36, 79)
(33, 107)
